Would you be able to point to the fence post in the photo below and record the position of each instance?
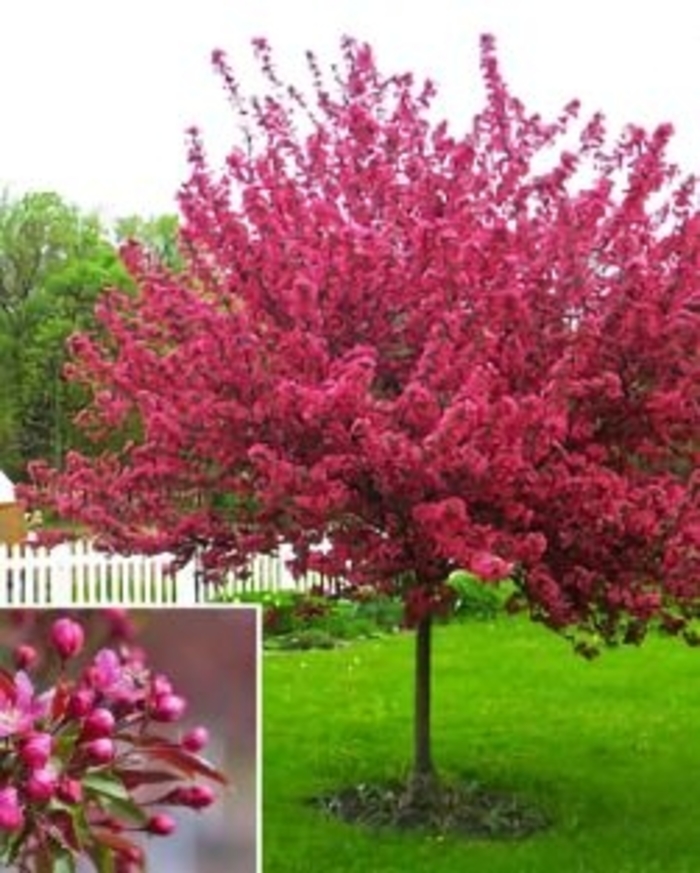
(60, 588)
(187, 584)
(285, 554)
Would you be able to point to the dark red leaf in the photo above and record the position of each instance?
(7, 684)
(59, 702)
(186, 762)
(136, 778)
(117, 842)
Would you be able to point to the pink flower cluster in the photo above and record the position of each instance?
(83, 765)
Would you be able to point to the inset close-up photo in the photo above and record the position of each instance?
(128, 741)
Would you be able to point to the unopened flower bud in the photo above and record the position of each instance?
(168, 707)
(121, 625)
(35, 750)
(67, 637)
(41, 785)
(100, 723)
(25, 656)
(161, 825)
(69, 790)
(161, 685)
(192, 796)
(195, 739)
(100, 751)
(80, 702)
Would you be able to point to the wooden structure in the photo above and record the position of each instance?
(13, 528)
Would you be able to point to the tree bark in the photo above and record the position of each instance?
(423, 769)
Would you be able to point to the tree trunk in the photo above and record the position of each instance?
(423, 769)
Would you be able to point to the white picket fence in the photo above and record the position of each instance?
(77, 574)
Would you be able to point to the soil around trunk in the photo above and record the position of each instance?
(463, 808)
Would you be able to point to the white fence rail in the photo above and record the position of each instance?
(77, 574)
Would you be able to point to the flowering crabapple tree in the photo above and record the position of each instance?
(432, 350)
(85, 766)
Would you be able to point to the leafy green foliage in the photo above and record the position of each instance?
(294, 619)
(54, 262)
(158, 235)
(297, 620)
(474, 598)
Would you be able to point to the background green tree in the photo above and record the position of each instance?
(54, 262)
(158, 235)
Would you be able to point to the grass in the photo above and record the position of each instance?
(610, 748)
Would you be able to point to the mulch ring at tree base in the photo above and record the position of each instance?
(466, 809)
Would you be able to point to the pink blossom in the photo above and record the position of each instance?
(20, 710)
(11, 814)
(113, 679)
(489, 567)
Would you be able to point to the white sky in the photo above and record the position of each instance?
(95, 94)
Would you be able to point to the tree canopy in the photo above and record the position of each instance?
(432, 350)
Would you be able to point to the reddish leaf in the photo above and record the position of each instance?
(117, 842)
(62, 828)
(139, 739)
(59, 701)
(187, 762)
(136, 778)
(7, 684)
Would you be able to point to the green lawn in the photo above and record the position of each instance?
(611, 748)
